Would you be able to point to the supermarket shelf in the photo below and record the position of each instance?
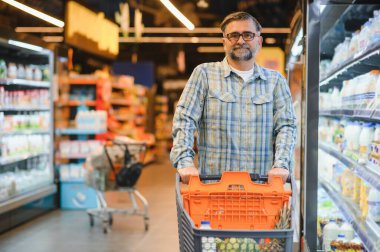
(122, 102)
(83, 81)
(23, 82)
(24, 108)
(364, 115)
(363, 171)
(120, 87)
(14, 159)
(74, 131)
(367, 230)
(24, 132)
(79, 156)
(356, 65)
(334, 19)
(23, 199)
(77, 103)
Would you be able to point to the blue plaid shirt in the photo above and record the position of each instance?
(238, 124)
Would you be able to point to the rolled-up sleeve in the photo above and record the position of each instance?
(285, 128)
(186, 117)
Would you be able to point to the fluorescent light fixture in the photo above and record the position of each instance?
(210, 49)
(39, 29)
(25, 45)
(178, 40)
(270, 41)
(189, 25)
(35, 13)
(53, 39)
(297, 48)
(211, 30)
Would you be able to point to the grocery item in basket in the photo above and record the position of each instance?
(237, 244)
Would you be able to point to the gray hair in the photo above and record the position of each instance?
(238, 16)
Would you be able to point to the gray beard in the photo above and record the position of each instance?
(245, 57)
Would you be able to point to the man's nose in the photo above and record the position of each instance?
(240, 40)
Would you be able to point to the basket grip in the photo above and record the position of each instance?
(254, 177)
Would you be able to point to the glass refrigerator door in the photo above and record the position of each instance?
(346, 161)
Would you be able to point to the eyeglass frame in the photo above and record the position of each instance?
(241, 35)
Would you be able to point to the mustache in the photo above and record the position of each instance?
(240, 47)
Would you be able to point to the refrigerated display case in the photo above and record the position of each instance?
(342, 115)
(26, 128)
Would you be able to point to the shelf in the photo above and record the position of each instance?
(23, 82)
(74, 131)
(24, 132)
(14, 159)
(341, 20)
(363, 115)
(356, 65)
(26, 198)
(24, 108)
(363, 171)
(78, 156)
(77, 103)
(367, 230)
(122, 102)
(83, 81)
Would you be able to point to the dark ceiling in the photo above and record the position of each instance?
(270, 13)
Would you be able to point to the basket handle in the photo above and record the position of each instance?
(254, 177)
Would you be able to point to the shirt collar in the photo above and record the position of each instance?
(257, 71)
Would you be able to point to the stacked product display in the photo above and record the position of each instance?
(80, 121)
(26, 129)
(349, 133)
(128, 113)
(163, 123)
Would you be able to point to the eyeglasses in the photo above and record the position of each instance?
(235, 36)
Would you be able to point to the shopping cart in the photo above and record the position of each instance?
(239, 212)
(127, 155)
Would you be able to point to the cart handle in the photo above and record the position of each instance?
(254, 177)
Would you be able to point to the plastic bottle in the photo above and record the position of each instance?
(208, 243)
(330, 233)
(365, 140)
(373, 201)
(347, 230)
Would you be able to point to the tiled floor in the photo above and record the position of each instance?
(62, 231)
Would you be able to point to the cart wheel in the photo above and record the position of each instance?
(105, 230)
(110, 219)
(92, 221)
(146, 226)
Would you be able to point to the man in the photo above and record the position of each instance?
(242, 112)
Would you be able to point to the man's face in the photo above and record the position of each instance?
(240, 49)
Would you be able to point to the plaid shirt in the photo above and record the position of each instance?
(238, 124)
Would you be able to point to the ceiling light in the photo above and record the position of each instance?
(39, 29)
(53, 39)
(25, 45)
(202, 4)
(189, 25)
(178, 40)
(270, 41)
(210, 49)
(35, 13)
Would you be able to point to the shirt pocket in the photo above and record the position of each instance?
(262, 105)
(219, 105)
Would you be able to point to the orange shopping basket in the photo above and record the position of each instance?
(239, 210)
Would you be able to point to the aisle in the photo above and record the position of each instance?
(62, 231)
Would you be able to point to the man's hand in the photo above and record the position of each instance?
(282, 172)
(186, 173)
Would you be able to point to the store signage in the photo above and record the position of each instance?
(273, 58)
(91, 31)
